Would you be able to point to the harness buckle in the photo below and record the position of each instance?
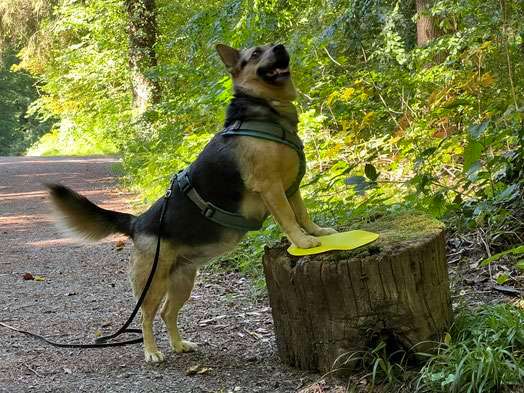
(185, 184)
(209, 211)
(234, 126)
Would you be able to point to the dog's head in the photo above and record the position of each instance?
(261, 71)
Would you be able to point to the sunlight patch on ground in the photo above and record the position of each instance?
(118, 240)
(4, 197)
(23, 220)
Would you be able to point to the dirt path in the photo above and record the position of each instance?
(85, 289)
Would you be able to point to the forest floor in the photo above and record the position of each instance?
(82, 289)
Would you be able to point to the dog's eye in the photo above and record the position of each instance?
(256, 54)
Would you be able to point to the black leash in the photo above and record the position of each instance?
(101, 342)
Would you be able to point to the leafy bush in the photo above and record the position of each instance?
(19, 126)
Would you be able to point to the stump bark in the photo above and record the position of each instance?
(327, 306)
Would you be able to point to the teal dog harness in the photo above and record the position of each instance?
(256, 129)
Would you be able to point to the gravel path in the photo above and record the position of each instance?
(84, 289)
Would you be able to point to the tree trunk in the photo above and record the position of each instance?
(142, 30)
(426, 24)
(326, 307)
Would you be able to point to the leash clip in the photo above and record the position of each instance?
(209, 211)
(169, 191)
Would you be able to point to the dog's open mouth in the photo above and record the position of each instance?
(276, 74)
(279, 73)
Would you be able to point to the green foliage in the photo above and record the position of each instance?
(85, 78)
(382, 119)
(387, 125)
(483, 353)
(512, 251)
(19, 127)
(383, 367)
(438, 128)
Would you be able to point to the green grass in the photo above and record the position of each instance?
(484, 352)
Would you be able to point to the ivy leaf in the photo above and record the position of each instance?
(371, 172)
(472, 152)
(473, 171)
(437, 205)
(354, 180)
(359, 183)
(509, 193)
(476, 130)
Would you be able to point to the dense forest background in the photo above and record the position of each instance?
(416, 103)
(403, 105)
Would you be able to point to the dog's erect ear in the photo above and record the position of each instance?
(229, 56)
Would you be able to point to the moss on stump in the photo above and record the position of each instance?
(327, 306)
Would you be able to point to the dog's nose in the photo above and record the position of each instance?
(279, 48)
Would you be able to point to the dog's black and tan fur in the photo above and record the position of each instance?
(239, 174)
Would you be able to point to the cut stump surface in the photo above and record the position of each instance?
(328, 306)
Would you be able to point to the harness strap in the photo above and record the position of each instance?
(276, 133)
(256, 129)
(210, 210)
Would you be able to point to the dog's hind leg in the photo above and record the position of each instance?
(181, 281)
(140, 269)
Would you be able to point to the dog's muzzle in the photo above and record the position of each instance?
(276, 68)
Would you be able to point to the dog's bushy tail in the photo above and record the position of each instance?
(85, 219)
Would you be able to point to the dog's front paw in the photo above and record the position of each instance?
(306, 242)
(324, 231)
(184, 346)
(154, 356)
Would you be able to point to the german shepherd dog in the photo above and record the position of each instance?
(240, 174)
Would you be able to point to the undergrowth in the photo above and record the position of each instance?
(483, 352)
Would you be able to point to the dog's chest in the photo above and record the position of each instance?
(263, 163)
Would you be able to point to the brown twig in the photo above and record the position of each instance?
(33, 371)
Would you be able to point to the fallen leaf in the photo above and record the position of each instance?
(197, 369)
(39, 278)
(204, 370)
(119, 245)
(193, 369)
(28, 276)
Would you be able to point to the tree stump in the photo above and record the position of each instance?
(327, 306)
